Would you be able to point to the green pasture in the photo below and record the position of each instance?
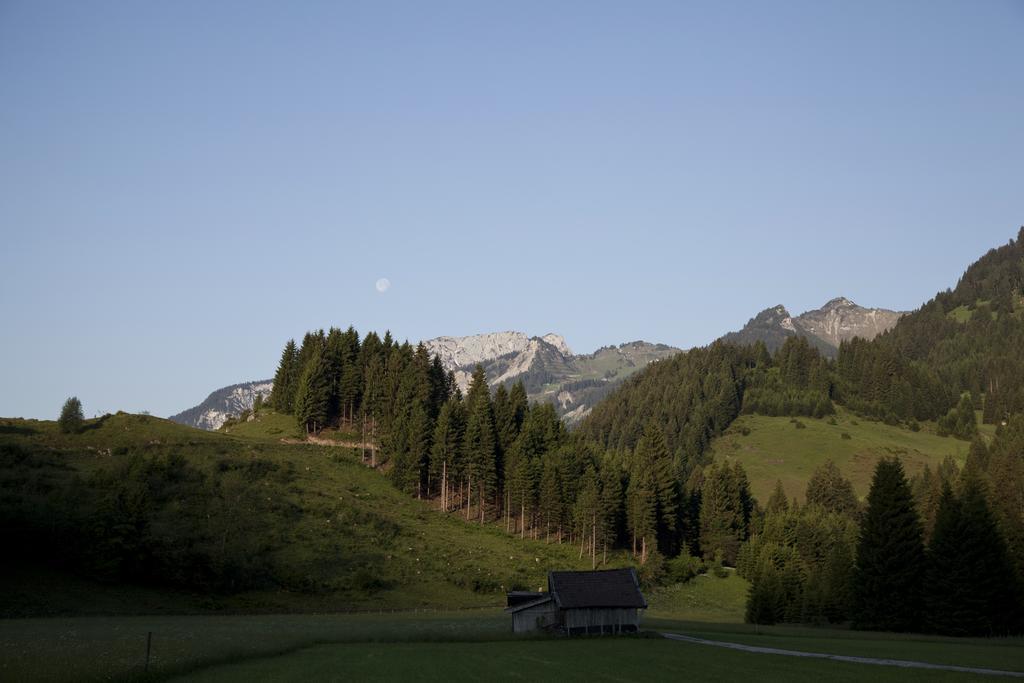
(774, 448)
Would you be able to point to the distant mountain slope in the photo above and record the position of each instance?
(222, 403)
(825, 328)
(546, 366)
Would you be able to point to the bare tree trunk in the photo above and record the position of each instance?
(522, 519)
(469, 491)
(593, 543)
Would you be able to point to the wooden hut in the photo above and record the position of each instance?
(606, 601)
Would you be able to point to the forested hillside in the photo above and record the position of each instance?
(962, 351)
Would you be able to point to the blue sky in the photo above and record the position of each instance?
(186, 185)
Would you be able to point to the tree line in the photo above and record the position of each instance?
(908, 561)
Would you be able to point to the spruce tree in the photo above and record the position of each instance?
(480, 451)
(312, 395)
(286, 379)
(641, 512)
(828, 488)
(446, 444)
(551, 501)
(778, 501)
(725, 511)
(71, 417)
(971, 589)
(611, 506)
(890, 555)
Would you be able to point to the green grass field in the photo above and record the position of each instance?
(452, 646)
(776, 449)
(622, 659)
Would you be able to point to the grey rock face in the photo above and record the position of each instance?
(224, 403)
(837, 321)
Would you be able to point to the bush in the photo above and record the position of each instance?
(846, 436)
(799, 425)
(683, 568)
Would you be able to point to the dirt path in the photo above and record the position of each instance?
(842, 658)
(330, 442)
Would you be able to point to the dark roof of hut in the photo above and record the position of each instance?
(607, 588)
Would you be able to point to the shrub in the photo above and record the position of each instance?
(683, 568)
(846, 435)
(799, 425)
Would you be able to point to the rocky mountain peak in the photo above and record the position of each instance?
(558, 341)
(838, 320)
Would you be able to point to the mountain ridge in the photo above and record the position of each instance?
(838, 320)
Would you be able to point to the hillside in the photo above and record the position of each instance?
(917, 371)
(251, 522)
(825, 328)
(774, 448)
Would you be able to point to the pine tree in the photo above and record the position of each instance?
(480, 451)
(828, 488)
(312, 394)
(585, 513)
(286, 379)
(611, 507)
(725, 511)
(890, 555)
(71, 417)
(641, 512)
(778, 501)
(551, 501)
(970, 589)
(446, 445)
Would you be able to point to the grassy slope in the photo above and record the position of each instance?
(705, 598)
(348, 516)
(776, 449)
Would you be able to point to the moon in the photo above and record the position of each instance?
(383, 285)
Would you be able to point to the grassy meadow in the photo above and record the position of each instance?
(771, 448)
(460, 645)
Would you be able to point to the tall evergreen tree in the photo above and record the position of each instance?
(970, 589)
(778, 501)
(445, 448)
(642, 512)
(611, 507)
(828, 488)
(312, 394)
(286, 379)
(726, 508)
(480, 448)
(890, 555)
